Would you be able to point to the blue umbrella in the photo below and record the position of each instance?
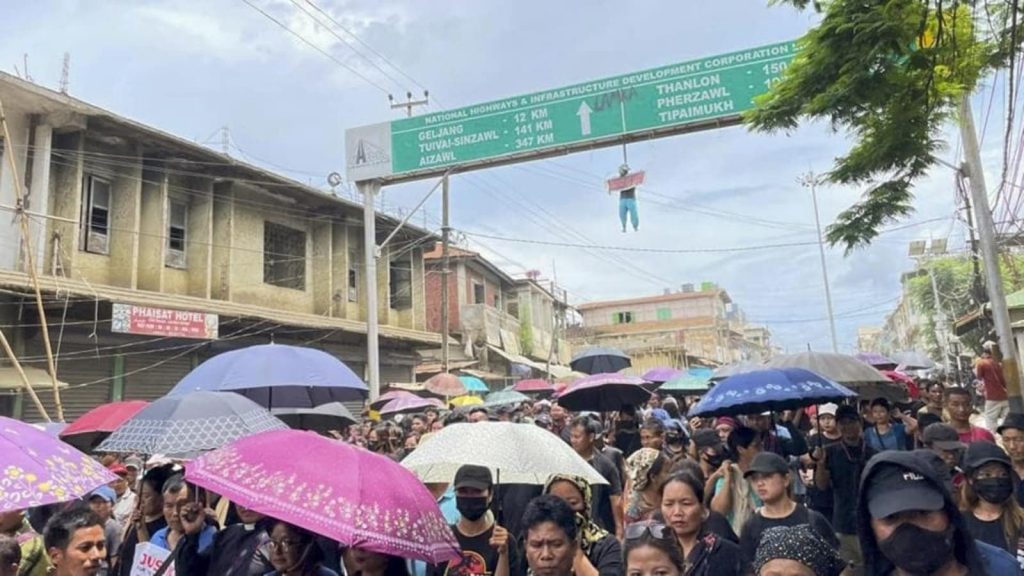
(700, 372)
(600, 360)
(772, 389)
(474, 384)
(277, 376)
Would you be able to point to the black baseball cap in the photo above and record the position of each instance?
(1012, 420)
(893, 489)
(847, 412)
(767, 463)
(942, 436)
(980, 453)
(472, 476)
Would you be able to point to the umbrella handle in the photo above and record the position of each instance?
(499, 501)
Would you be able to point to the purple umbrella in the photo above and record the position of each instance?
(386, 397)
(662, 375)
(277, 376)
(604, 393)
(337, 490)
(38, 469)
(877, 360)
(408, 404)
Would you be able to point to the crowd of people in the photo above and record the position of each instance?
(862, 488)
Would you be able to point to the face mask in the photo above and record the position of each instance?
(994, 490)
(472, 508)
(916, 550)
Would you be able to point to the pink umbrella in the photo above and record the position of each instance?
(445, 384)
(535, 386)
(901, 378)
(407, 404)
(389, 396)
(334, 489)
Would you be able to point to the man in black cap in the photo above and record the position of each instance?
(839, 467)
(944, 440)
(908, 523)
(708, 450)
(1012, 433)
(484, 544)
(770, 478)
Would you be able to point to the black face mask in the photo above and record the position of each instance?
(916, 550)
(994, 490)
(472, 508)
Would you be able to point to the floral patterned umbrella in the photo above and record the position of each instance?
(334, 489)
(762, 390)
(38, 469)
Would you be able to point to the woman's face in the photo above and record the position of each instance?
(570, 493)
(784, 567)
(682, 510)
(880, 414)
(152, 503)
(287, 547)
(650, 561)
(358, 560)
(723, 431)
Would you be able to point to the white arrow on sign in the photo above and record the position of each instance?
(584, 114)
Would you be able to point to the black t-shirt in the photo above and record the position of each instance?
(752, 530)
(819, 500)
(845, 464)
(719, 526)
(479, 558)
(601, 505)
(988, 531)
(131, 541)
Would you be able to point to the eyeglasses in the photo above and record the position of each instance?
(655, 529)
(285, 545)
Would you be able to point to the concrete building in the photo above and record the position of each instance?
(505, 325)
(691, 326)
(869, 339)
(906, 326)
(154, 253)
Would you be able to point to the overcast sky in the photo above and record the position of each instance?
(190, 67)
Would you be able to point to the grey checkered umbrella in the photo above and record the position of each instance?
(185, 425)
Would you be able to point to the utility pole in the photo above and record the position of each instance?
(445, 261)
(409, 103)
(810, 180)
(989, 252)
(369, 190)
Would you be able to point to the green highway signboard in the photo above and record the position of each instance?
(661, 100)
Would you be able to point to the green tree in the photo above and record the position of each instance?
(891, 74)
(954, 279)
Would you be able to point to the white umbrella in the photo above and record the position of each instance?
(515, 453)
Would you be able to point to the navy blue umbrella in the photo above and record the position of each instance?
(600, 360)
(772, 389)
(277, 376)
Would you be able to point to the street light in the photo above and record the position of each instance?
(810, 180)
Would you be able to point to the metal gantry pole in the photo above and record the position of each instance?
(369, 190)
(445, 262)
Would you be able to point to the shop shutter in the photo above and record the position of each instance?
(151, 376)
(88, 373)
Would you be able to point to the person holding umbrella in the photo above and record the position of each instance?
(238, 550)
(146, 520)
(485, 545)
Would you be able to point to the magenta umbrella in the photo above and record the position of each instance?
(604, 393)
(389, 396)
(535, 386)
(662, 375)
(407, 404)
(38, 469)
(337, 490)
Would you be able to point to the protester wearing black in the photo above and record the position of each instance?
(771, 441)
(907, 521)
(821, 501)
(487, 548)
(238, 550)
(627, 432)
(769, 476)
(147, 519)
(607, 498)
(839, 467)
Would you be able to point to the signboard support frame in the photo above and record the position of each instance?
(370, 189)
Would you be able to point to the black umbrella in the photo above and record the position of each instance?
(323, 418)
(600, 360)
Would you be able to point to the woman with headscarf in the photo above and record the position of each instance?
(600, 553)
(647, 469)
(796, 550)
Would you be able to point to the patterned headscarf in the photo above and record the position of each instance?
(639, 466)
(590, 533)
(798, 543)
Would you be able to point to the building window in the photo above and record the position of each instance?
(622, 318)
(401, 284)
(353, 277)
(284, 256)
(95, 223)
(664, 314)
(479, 293)
(177, 225)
